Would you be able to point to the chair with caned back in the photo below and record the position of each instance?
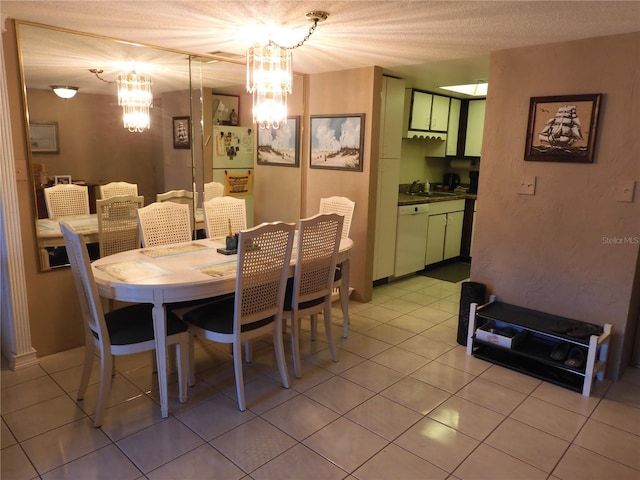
(117, 188)
(66, 200)
(122, 331)
(345, 207)
(224, 213)
(184, 197)
(118, 223)
(212, 190)
(164, 223)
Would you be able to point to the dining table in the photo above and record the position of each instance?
(175, 273)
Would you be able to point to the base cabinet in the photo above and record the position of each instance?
(559, 350)
(444, 233)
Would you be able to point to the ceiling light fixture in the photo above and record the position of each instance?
(64, 91)
(269, 77)
(478, 89)
(135, 98)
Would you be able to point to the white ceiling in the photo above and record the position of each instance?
(430, 43)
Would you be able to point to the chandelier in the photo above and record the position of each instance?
(269, 77)
(135, 98)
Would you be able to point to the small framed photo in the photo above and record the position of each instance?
(337, 142)
(62, 180)
(280, 146)
(226, 109)
(562, 128)
(44, 137)
(181, 132)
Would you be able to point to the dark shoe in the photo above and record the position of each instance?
(576, 358)
(562, 326)
(582, 330)
(560, 352)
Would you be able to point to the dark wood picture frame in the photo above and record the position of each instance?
(563, 128)
(337, 142)
(280, 147)
(182, 132)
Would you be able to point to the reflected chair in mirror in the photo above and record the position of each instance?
(118, 223)
(184, 197)
(164, 223)
(264, 255)
(117, 188)
(222, 214)
(66, 200)
(345, 207)
(212, 190)
(122, 331)
(309, 292)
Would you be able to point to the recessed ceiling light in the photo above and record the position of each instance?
(472, 89)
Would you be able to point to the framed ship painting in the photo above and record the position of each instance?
(337, 142)
(181, 132)
(563, 128)
(280, 146)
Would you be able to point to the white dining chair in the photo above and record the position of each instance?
(309, 292)
(345, 207)
(224, 213)
(122, 331)
(118, 223)
(113, 189)
(164, 224)
(212, 190)
(264, 255)
(65, 200)
(183, 197)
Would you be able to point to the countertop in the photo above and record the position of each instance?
(406, 199)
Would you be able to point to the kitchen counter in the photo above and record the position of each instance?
(407, 199)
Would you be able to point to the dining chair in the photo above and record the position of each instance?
(310, 290)
(65, 200)
(345, 207)
(185, 197)
(264, 255)
(122, 331)
(222, 214)
(118, 223)
(117, 188)
(164, 223)
(212, 190)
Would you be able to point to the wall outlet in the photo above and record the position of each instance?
(527, 186)
(624, 191)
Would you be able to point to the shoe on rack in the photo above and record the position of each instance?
(560, 352)
(576, 358)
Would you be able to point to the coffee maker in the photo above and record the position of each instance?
(451, 181)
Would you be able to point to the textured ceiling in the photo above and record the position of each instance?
(429, 43)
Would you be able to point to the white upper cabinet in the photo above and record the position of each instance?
(425, 112)
(454, 127)
(392, 110)
(475, 128)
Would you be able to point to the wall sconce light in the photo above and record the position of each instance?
(64, 91)
(269, 77)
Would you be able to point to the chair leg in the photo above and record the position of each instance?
(248, 351)
(344, 302)
(192, 359)
(278, 344)
(295, 346)
(237, 365)
(106, 369)
(329, 331)
(182, 352)
(314, 326)
(89, 353)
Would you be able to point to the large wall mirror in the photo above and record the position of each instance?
(83, 140)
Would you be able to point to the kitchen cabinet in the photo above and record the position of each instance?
(453, 127)
(426, 112)
(474, 128)
(467, 228)
(444, 231)
(392, 109)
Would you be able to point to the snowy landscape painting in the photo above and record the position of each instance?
(337, 142)
(280, 146)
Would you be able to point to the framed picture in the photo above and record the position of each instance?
(280, 146)
(181, 129)
(62, 180)
(563, 128)
(226, 109)
(337, 142)
(44, 137)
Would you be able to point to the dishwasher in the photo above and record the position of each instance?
(411, 238)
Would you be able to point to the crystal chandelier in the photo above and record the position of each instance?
(135, 98)
(269, 77)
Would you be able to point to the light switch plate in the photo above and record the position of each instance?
(527, 186)
(624, 191)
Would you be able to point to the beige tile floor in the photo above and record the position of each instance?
(403, 402)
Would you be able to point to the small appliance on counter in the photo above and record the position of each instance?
(451, 180)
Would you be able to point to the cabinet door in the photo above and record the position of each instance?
(475, 127)
(386, 217)
(421, 110)
(453, 237)
(392, 110)
(453, 127)
(439, 113)
(435, 238)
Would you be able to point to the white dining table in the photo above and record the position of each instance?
(175, 273)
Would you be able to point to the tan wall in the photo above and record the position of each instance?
(547, 251)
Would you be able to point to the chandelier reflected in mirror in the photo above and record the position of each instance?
(135, 98)
(270, 76)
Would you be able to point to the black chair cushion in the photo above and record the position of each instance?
(134, 324)
(288, 299)
(218, 317)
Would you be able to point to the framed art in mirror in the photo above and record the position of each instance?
(62, 180)
(181, 137)
(563, 128)
(337, 142)
(226, 109)
(280, 146)
(44, 137)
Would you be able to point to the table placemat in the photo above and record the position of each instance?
(175, 250)
(219, 269)
(133, 270)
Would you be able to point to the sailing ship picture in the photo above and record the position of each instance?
(562, 129)
(181, 132)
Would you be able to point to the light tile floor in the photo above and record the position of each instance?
(403, 402)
